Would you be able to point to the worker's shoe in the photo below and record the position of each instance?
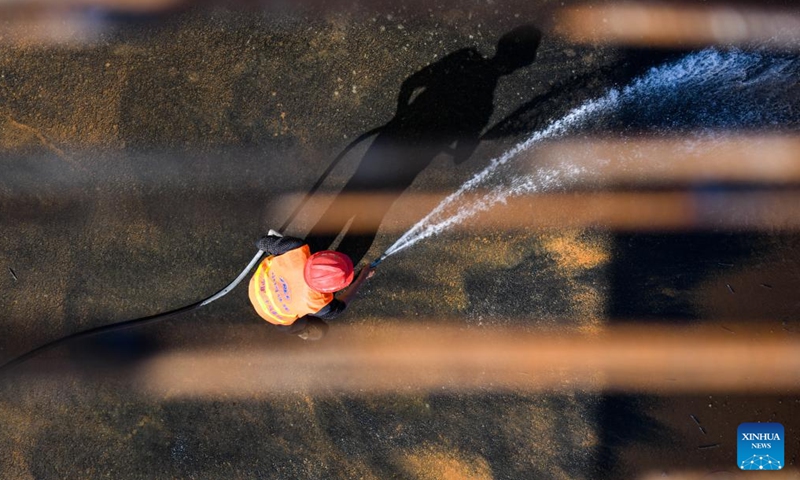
(313, 332)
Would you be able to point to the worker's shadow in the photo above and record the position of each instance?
(442, 108)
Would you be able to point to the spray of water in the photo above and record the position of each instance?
(704, 90)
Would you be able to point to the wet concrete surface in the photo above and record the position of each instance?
(139, 169)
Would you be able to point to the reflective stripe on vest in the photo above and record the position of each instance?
(279, 292)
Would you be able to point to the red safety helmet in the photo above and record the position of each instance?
(328, 271)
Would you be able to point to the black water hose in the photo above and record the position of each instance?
(327, 172)
(138, 322)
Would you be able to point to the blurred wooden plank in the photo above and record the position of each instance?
(396, 357)
(626, 211)
(680, 25)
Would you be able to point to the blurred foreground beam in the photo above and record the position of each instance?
(401, 358)
(623, 211)
(73, 23)
(679, 25)
(765, 159)
(134, 6)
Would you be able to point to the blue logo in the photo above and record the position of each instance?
(760, 446)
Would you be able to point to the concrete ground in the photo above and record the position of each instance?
(139, 168)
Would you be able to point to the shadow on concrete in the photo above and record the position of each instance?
(623, 421)
(667, 278)
(654, 276)
(442, 108)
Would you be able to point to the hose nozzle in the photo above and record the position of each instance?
(377, 261)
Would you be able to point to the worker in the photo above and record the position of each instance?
(294, 289)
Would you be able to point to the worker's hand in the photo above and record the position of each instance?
(361, 276)
(266, 242)
(350, 293)
(366, 272)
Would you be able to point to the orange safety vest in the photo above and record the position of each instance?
(279, 292)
